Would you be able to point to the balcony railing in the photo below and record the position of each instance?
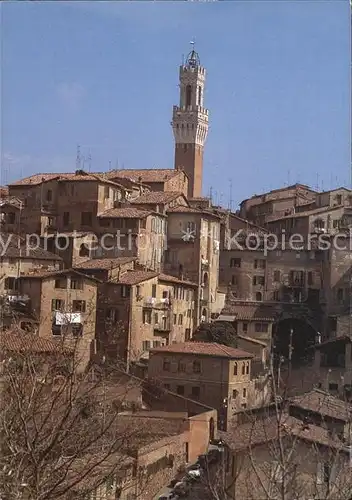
(154, 303)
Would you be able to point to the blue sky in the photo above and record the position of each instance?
(105, 75)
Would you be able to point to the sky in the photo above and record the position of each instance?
(104, 75)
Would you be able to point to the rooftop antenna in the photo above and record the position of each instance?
(89, 162)
(230, 198)
(78, 157)
(211, 194)
(288, 177)
(317, 182)
(117, 164)
(109, 165)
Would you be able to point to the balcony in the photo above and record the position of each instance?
(154, 303)
(164, 326)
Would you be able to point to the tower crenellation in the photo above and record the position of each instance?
(190, 122)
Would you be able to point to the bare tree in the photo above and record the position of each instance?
(56, 429)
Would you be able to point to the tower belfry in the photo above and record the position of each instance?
(190, 123)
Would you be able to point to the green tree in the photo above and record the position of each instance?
(218, 331)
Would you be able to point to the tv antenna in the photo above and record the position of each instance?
(78, 158)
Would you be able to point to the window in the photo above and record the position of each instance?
(77, 329)
(189, 313)
(138, 291)
(333, 387)
(79, 306)
(111, 314)
(234, 394)
(11, 218)
(234, 280)
(84, 251)
(57, 305)
(261, 327)
(326, 472)
(235, 369)
(196, 366)
(86, 218)
(245, 327)
(167, 387)
(166, 365)
(243, 369)
(188, 95)
(180, 389)
(175, 319)
(195, 392)
(181, 366)
(156, 319)
(165, 294)
(244, 393)
(104, 222)
(180, 319)
(106, 192)
(340, 295)
(259, 280)
(276, 295)
(259, 264)
(235, 263)
(277, 275)
(339, 199)
(66, 218)
(76, 284)
(61, 283)
(310, 278)
(199, 95)
(258, 297)
(125, 291)
(49, 195)
(145, 345)
(187, 334)
(154, 291)
(11, 283)
(247, 368)
(147, 317)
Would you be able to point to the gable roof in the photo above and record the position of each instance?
(135, 277)
(191, 210)
(174, 279)
(204, 349)
(79, 175)
(106, 263)
(158, 197)
(263, 431)
(318, 401)
(45, 274)
(28, 342)
(125, 213)
(146, 175)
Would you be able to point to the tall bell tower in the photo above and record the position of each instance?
(190, 123)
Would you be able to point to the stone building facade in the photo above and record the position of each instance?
(215, 375)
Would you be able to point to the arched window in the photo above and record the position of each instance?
(206, 279)
(199, 95)
(258, 297)
(188, 95)
(83, 251)
(247, 368)
(196, 366)
(243, 369)
(235, 369)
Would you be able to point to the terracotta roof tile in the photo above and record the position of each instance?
(126, 213)
(28, 342)
(204, 349)
(157, 197)
(135, 277)
(308, 213)
(173, 279)
(250, 312)
(262, 431)
(43, 274)
(16, 250)
(104, 263)
(318, 401)
(36, 179)
(148, 175)
(182, 209)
